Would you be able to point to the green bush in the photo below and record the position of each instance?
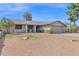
(73, 28)
(28, 36)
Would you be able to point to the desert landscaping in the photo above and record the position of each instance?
(36, 33)
(45, 45)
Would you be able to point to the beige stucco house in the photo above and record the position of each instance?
(23, 26)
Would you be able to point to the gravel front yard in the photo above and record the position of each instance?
(45, 45)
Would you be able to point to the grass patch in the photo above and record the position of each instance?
(31, 37)
(12, 36)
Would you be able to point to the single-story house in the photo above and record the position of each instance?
(23, 26)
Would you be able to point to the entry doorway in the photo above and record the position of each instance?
(38, 29)
(30, 28)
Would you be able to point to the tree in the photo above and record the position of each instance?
(28, 16)
(73, 12)
(6, 24)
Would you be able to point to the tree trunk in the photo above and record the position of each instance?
(74, 23)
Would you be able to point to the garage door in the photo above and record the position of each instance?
(58, 29)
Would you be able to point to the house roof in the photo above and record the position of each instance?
(57, 23)
(23, 22)
(19, 22)
(35, 23)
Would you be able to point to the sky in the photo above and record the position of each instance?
(42, 12)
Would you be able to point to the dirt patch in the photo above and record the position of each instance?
(46, 45)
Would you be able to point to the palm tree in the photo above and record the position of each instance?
(6, 24)
(27, 16)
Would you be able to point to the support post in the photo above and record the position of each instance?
(26, 28)
(34, 28)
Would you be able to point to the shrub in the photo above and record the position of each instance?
(73, 28)
(29, 36)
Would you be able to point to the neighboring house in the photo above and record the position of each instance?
(23, 26)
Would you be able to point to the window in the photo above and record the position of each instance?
(18, 26)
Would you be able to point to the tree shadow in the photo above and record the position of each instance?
(2, 39)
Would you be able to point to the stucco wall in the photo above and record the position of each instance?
(20, 30)
(55, 29)
(46, 27)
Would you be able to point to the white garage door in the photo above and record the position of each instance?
(58, 29)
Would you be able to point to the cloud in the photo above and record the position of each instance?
(58, 5)
(19, 7)
(53, 5)
(12, 8)
(9, 8)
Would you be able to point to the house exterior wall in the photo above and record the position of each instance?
(46, 27)
(23, 30)
(55, 29)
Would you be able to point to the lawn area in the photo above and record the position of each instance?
(20, 36)
(12, 36)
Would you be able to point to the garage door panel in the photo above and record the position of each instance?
(58, 29)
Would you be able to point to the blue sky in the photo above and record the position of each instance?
(40, 12)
